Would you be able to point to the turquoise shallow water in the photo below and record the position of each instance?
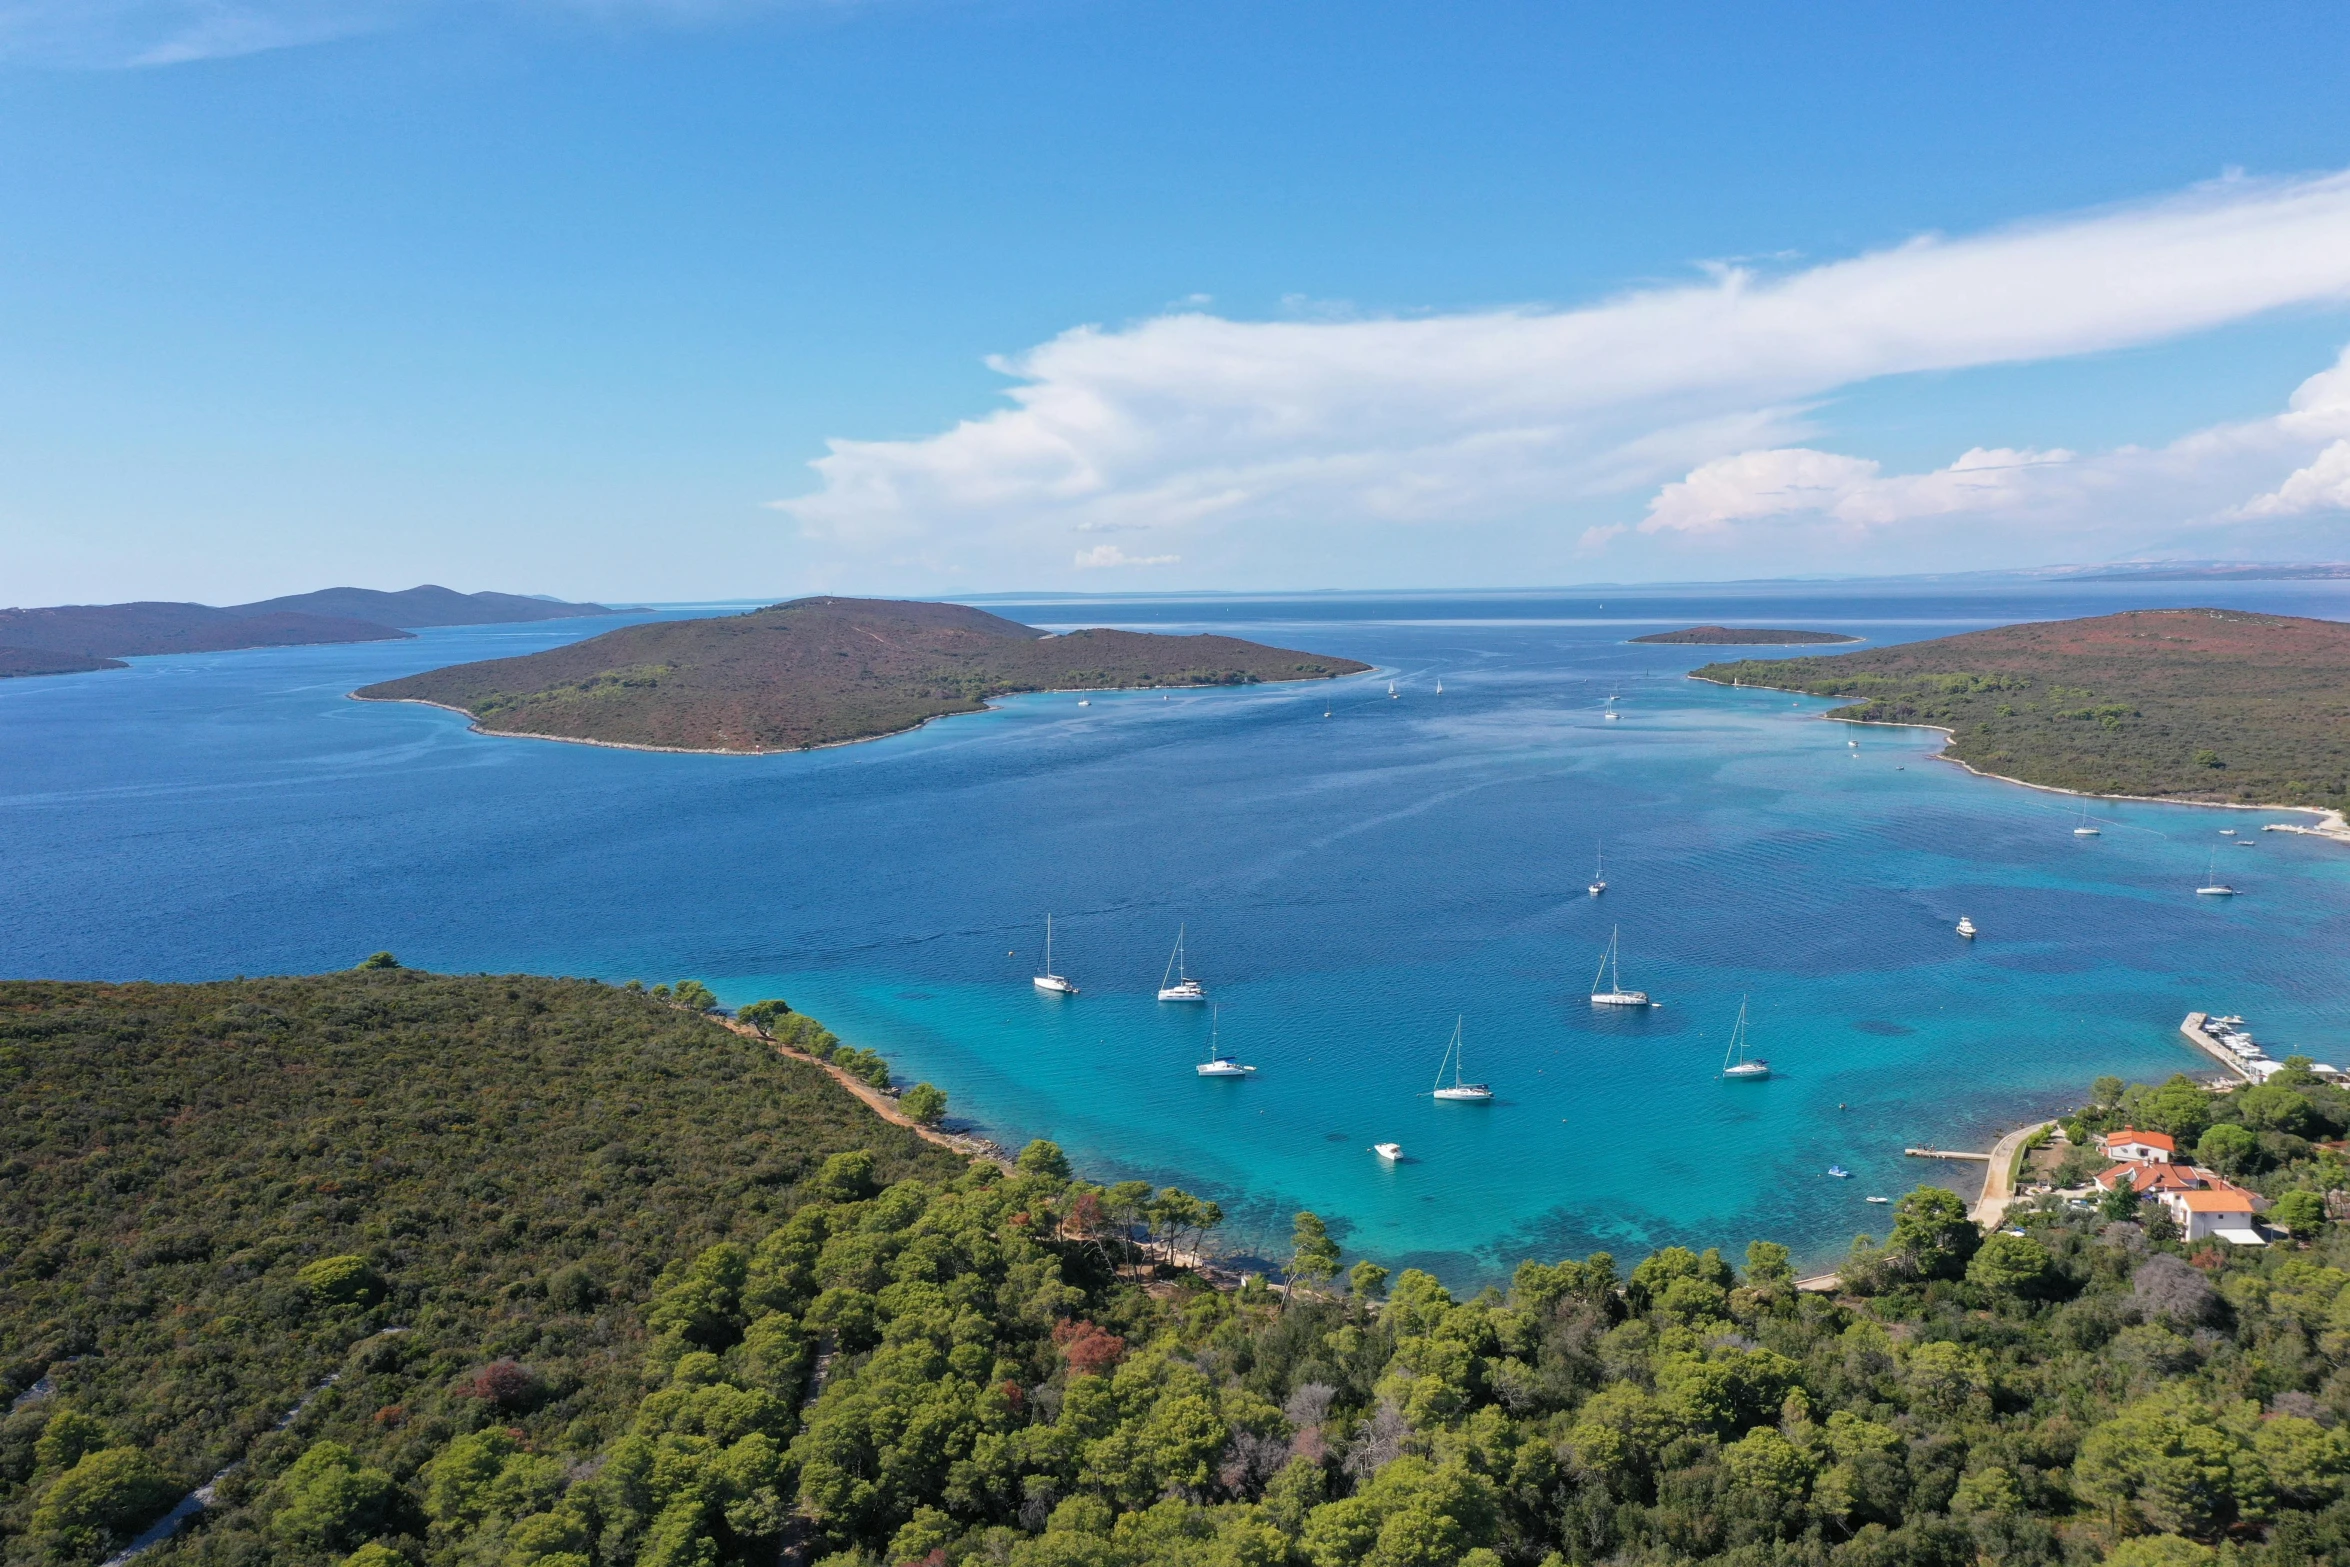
(1351, 884)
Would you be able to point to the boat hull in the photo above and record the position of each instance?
(1223, 1069)
(1748, 1070)
(1054, 985)
(1184, 992)
(1466, 1094)
(1621, 998)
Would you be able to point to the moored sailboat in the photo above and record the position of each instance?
(1048, 981)
(1219, 1064)
(1459, 1092)
(1176, 984)
(1743, 1067)
(1599, 872)
(1615, 995)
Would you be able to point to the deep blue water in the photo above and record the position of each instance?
(1351, 884)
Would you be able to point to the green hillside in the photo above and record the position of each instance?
(569, 1277)
(2190, 704)
(821, 671)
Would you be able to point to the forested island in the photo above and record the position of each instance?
(1745, 636)
(2192, 704)
(65, 639)
(514, 1272)
(820, 671)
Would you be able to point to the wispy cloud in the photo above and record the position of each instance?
(1190, 423)
(101, 34)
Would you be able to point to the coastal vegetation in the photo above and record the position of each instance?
(566, 1275)
(1745, 636)
(821, 671)
(2190, 704)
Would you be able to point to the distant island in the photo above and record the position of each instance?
(1746, 636)
(66, 639)
(820, 671)
(2212, 705)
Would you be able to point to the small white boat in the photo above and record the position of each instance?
(1615, 995)
(1219, 1064)
(1391, 1152)
(1599, 873)
(1392, 694)
(1839, 1172)
(1459, 1092)
(2227, 832)
(2213, 887)
(1440, 685)
(2085, 830)
(1085, 701)
(1611, 713)
(1743, 1067)
(1876, 1199)
(1048, 981)
(1176, 984)
(1966, 927)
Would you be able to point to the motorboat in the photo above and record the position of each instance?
(1615, 995)
(1459, 1092)
(1839, 1172)
(1048, 981)
(1966, 927)
(1218, 1064)
(1176, 984)
(1391, 1152)
(1876, 1199)
(1736, 1063)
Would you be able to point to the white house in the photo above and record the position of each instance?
(2135, 1147)
(2222, 1213)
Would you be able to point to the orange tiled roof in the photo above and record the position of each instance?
(2228, 1201)
(2150, 1139)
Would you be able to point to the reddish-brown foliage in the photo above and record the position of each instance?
(1089, 1350)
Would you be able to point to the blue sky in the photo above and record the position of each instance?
(568, 297)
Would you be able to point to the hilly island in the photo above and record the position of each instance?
(2190, 704)
(820, 671)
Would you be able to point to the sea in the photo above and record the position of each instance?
(1354, 875)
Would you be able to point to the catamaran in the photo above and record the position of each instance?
(1048, 981)
(1615, 995)
(1599, 872)
(1175, 984)
(1218, 1064)
(1459, 1092)
(2213, 887)
(1743, 1066)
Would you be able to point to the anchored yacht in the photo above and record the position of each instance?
(1615, 995)
(1743, 1066)
(1048, 981)
(1459, 1092)
(1175, 984)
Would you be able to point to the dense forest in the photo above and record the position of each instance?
(2194, 704)
(820, 671)
(563, 1275)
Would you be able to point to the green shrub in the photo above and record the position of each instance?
(341, 1281)
(105, 1499)
(924, 1103)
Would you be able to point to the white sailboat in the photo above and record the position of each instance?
(1048, 981)
(2213, 887)
(1176, 984)
(1743, 1067)
(1599, 872)
(1391, 691)
(2085, 830)
(1459, 1092)
(1440, 685)
(1615, 995)
(1218, 1064)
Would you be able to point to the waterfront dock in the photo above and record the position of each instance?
(1942, 1153)
(2199, 1035)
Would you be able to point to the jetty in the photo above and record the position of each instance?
(1942, 1153)
(1999, 1181)
(2198, 1033)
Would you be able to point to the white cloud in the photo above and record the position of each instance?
(1111, 555)
(1849, 490)
(2322, 486)
(1194, 423)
